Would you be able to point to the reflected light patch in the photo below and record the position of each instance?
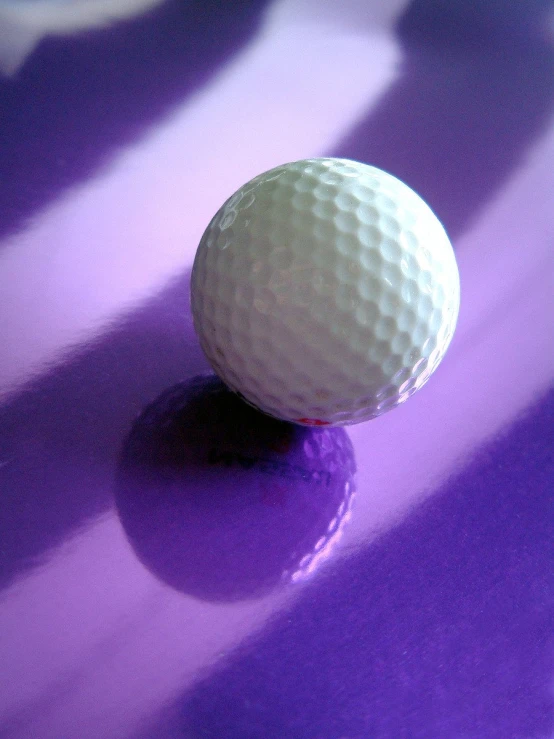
(326, 545)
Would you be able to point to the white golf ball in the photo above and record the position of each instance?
(325, 292)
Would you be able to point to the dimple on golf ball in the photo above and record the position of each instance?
(325, 292)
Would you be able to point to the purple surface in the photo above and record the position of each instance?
(86, 96)
(443, 628)
(63, 435)
(458, 120)
(172, 563)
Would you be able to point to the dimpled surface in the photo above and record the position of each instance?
(325, 291)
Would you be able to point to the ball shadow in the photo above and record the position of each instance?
(224, 503)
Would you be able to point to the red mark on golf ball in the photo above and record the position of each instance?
(312, 422)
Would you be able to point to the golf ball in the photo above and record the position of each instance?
(325, 292)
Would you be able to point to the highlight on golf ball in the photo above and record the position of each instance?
(325, 292)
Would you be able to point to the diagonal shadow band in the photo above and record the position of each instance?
(79, 99)
(441, 628)
(477, 86)
(61, 436)
(453, 127)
